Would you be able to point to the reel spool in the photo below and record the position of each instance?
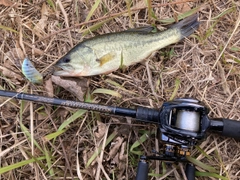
(183, 123)
(188, 120)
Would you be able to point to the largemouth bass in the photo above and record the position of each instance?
(106, 53)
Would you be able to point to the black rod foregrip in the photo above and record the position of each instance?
(147, 114)
(142, 170)
(226, 127)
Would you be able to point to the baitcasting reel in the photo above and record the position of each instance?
(182, 123)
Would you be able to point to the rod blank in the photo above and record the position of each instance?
(69, 103)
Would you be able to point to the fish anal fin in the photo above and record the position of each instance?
(106, 58)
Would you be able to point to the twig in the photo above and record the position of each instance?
(224, 80)
(149, 74)
(167, 174)
(110, 16)
(100, 159)
(220, 55)
(78, 165)
(66, 20)
(182, 171)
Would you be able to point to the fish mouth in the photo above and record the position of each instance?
(62, 73)
(64, 70)
(68, 72)
(65, 67)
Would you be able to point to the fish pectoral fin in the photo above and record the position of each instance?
(106, 58)
(144, 29)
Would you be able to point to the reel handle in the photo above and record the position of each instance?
(226, 127)
(190, 171)
(142, 170)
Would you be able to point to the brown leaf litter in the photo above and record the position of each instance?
(206, 65)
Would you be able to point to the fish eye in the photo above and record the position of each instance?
(66, 60)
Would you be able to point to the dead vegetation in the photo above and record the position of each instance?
(48, 142)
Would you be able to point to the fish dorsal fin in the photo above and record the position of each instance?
(144, 29)
(106, 58)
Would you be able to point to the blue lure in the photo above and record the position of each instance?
(31, 73)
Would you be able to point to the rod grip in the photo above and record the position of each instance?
(142, 170)
(231, 128)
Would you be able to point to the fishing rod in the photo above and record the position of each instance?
(139, 113)
(182, 124)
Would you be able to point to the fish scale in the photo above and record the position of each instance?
(106, 53)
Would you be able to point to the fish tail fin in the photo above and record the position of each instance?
(187, 26)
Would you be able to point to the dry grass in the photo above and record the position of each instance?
(206, 65)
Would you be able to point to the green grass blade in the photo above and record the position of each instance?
(210, 31)
(203, 152)
(106, 91)
(51, 4)
(138, 143)
(109, 139)
(200, 164)
(54, 135)
(128, 3)
(7, 29)
(119, 86)
(224, 13)
(208, 174)
(95, 27)
(71, 119)
(155, 175)
(177, 84)
(76, 115)
(236, 60)
(235, 49)
(25, 130)
(114, 84)
(150, 10)
(19, 164)
(49, 161)
(164, 168)
(164, 171)
(181, 16)
(94, 7)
